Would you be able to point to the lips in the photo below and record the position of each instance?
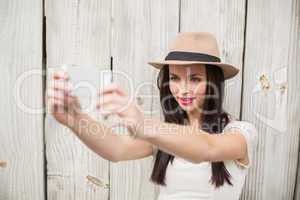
(186, 101)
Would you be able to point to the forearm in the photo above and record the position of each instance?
(98, 137)
(183, 141)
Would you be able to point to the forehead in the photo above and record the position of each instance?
(187, 69)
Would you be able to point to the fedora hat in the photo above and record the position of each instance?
(195, 48)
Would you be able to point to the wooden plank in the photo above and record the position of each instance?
(297, 184)
(141, 31)
(78, 32)
(225, 19)
(294, 74)
(21, 103)
(272, 53)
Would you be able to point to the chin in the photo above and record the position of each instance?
(188, 108)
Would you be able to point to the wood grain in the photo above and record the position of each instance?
(272, 50)
(141, 31)
(21, 102)
(261, 38)
(78, 32)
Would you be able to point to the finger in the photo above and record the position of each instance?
(54, 104)
(63, 75)
(59, 85)
(69, 100)
(55, 93)
(72, 103)
(131, 125)
(108, 98)
(64, 98)
(54, 101)
(113, 87)
(75, 101)
(58, 95)
(120, 104)
(109, 108)
(111, 104)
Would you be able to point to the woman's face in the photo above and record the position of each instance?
(187, 85)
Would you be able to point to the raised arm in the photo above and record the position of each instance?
(193, 144)
(109, 145)
(184, 141)
(98, 137)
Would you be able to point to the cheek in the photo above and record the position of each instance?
(200, 89)
(173, 88)
(200, 93)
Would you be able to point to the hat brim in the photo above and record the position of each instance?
(228, 69)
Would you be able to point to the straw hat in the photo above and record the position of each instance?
(195, 47)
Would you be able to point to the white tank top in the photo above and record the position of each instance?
(189, 181)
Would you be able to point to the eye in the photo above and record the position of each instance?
(173, 78)
(196, 79)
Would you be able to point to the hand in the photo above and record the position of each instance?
(114, 100)
(65, 107)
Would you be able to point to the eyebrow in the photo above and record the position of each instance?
(190, 74)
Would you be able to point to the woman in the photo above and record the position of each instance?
(200, 151)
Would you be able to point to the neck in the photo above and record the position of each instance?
(195, 118)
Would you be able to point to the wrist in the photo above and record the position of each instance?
(147, 128)
(136, 129)
(79, 121)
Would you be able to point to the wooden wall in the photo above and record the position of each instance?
(272, 62)
(40, 159)
(22, 173)
(77, 32)
(142, 29)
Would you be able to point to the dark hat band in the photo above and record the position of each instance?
(191, 56)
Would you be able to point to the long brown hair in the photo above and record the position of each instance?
(214, 119)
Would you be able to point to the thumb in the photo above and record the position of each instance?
(72, 104)
(131, 125)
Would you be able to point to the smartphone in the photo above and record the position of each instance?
(87, 81)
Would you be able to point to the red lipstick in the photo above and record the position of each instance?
(186, 100)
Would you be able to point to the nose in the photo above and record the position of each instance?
(184, 88)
